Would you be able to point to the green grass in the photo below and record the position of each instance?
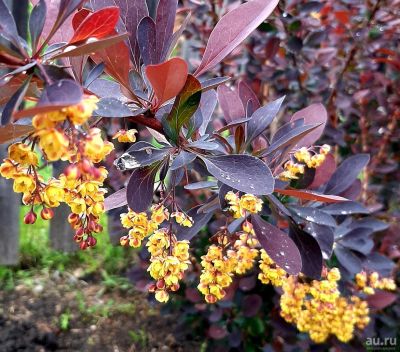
(106, 260)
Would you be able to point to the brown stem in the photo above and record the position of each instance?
(151, 122)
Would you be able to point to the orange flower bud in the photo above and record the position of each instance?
(47, 213)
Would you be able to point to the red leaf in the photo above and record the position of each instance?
(167, 79)
(309, 195)
(324, 172)
(12, 131)
(116, 61)
(79, 17)
(232, 29)
(343, 16)
(313, 114)
(98, 25)
(381, 299)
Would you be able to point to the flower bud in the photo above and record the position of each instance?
(47, 213)
(91, 241)
(72, 172)
(30, 218)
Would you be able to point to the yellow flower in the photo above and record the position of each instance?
(95, 148)
(22, 153)
(159, 214)
(42, 121)
(126, 136)
(24, 184)
(8, 169)
(251, 203)
(78, 205)
(162, 296)
(53, 143)
(80, 113)
(182, 219)
(53, 194)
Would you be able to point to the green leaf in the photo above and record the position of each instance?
(185, 105)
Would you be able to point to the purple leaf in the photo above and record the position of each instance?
(358, 240)
(381, 299)
(182, 159)
(243, 172)
(311, 255)
(232, 29)
(199, 221)
(146, 37)
(378, 262)
(313, 114)
(230, 103)
(165, 19)
(140, 188)
(347, 259)
(208, 101)
(345, 208)
(262, 118)
(36, 22)
(8, 28)
(324, 236)
(278, 245)
(177, 35)
(200, 185)
(248, 97)
(213, 83)
(313, 215)
(251, 304)
(217, 332)
(346, 173)
(111, 107)
(290, 138)
(14, 102)
(140, 154)
(116, 200)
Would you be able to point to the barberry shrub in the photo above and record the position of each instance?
(280, 206)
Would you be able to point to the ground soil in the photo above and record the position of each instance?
(94, 320)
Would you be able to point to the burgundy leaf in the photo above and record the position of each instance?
(313, 114)
(324, 236)
(116, 200)
(278, 245)
(208, 101)
(36, 22)
(232, 29)
(243, 172)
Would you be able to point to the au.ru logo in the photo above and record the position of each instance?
(381, 343)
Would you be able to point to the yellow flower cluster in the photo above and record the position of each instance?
(216, 274)
(319, 309)
(270, 272)
(60, 136)
(368, 283)
(169, 260)
(244, 250)
(293, 170)
(126, 136)
(141, 226)
(182, 218)
(239, 206)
